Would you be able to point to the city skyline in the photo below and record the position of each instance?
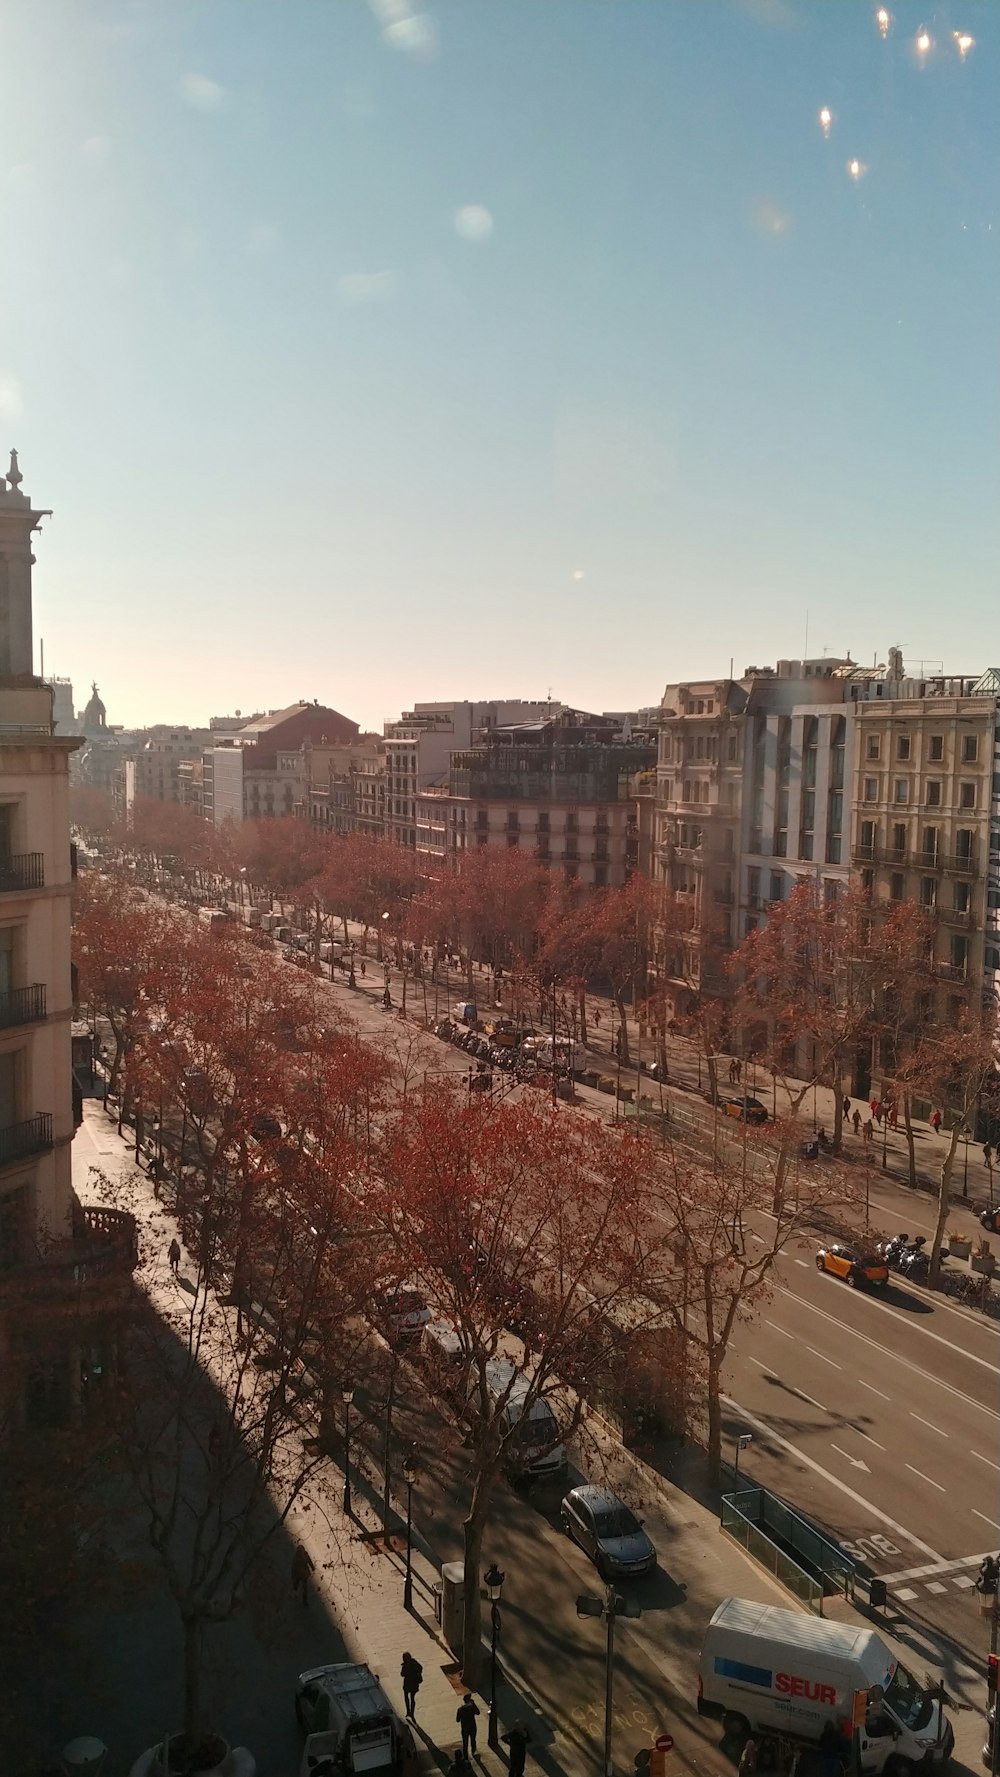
(498, 351)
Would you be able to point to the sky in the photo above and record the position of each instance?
(501, 348)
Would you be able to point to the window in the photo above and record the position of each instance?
(960, 897)
(513, 823)
(686, 790)
(934, 793)
(749, 925)
(970, 749)
(935, 749)
(571, 822)
(901, 790)
(868, 881)
(831, 893)
(600, 875)
(928, 891)
(992, 957)
(543, 823)
(929, 845)
(896, 886)
(873, 748)
(902, 746)
(777, 885)
(871, 789)
(733, 746)
(700, 747)
(898, 838)
(959, 952)
(868, 836)
(753, 886)
(967, 796)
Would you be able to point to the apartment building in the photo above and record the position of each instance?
(926, 814)
(564, 789)
(345, 786)
(419, 747)
(65, 1269)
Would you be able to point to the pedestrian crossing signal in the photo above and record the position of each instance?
(992, 1665)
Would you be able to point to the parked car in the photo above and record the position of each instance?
(862, 1270)
(405, 1312)
(747, 1110)
(609, 1532)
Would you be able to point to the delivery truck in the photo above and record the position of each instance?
(788, 1673)
(351, 1727)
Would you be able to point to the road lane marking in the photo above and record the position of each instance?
(835, 1481)
(873, 1390)
(907, 1321)
(801, 1395)
(985, 1459)
(804, 1267)
(986, 1520)
(823, 1356)
(855, 1461)
(919, 1573)
(864, 1434)
(930, 1424)
(765, 1367)
(923, 1477)
(843, 1326)
(785, 1334)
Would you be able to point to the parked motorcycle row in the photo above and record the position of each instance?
(488, 1055)
(909, 1257)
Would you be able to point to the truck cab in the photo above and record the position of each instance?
(350, 1724)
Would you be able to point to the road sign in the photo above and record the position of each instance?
(664, 1743)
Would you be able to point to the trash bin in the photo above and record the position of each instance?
(453, 1604)
(83, 1757)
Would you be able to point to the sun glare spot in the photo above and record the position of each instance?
(883, 19)
(963, 43)
(825, 120)
(924, 42)
(856, 170)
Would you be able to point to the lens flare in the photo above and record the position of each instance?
(924, 42)
(883, 19)
(825, 120)
(963, 43)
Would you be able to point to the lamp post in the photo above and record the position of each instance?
(347, 1396)
(411, 1475)
(493, 1579)
(610, 1607)
(986, 1588)
(744, 1439)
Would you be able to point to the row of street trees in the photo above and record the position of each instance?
(311, 1178)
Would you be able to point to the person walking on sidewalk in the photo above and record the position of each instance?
(302, 1566)
(856, 1120)
(936, 1122)
(847, 1105)
(987, 1155)
(412, 1674)
(748, 1759)
(518, 1739)
(465, 1716)
(174, 1254)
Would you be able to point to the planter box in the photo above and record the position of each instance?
(605, 1084)
(960, 1249)
(984, 1263)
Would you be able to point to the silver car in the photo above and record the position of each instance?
(609, 1531)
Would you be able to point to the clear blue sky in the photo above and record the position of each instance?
(371, 354)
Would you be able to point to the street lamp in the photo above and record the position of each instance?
(493, 1579)
(610, 1607)
(347, 1396)
(411, 1475)
(744, 1439)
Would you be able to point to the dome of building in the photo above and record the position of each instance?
(95, 716)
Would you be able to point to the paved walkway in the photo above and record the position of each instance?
(359, 1614)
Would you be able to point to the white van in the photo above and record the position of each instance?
(794, 1673)
(533, 1449)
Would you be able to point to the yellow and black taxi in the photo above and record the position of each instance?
(746, 1110)
(863, 1270)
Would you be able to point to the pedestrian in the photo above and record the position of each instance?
(597, 1017)
(847, 1106)
(936, 1122)
(465, 1716)
(879, 1112)
(518, 1739)
(362, 968)
(412, 1674)
(873, 1105)
(302, 1566)
(987, 1154)
(856, 1120)
(387, 997)
(174, 1254)
(732, 1073)
(891, 1115)
(869, 1131)
(739, 1071)
(748, 1758)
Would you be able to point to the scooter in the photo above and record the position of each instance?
(914, 1261)
(892, 1250)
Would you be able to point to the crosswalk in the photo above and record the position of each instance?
(935, 1578)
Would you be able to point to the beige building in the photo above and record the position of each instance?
(923, 827)
(63, 1268)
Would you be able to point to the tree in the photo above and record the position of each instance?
(518, 1217)
(122, 944)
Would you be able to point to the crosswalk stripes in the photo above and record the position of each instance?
(932, 1578)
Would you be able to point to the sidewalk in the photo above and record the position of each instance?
(360, 1586)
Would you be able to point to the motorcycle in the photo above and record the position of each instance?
(914, 1262)
(891, 1251)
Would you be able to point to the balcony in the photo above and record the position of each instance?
(950, 971)
(722, 897)
(20, 1140)
(101, 1255)
(953, 916)
(20, 871)
(22, 1005)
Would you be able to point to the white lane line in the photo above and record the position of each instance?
(864, 1434)
(986, 1520)
(804, 1267)
(919, 1573)
(758, 1237)
(923, 1477)
(844, 1327)
(907, 1320)
(801, 1395)
(873, 1390)
(859, 1499)
(930, 1424)
(985, 1459)
(823, 1356)
(765, 1367)
(785, 1334)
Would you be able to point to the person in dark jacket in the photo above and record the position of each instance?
(518, 1739)
(412, 1674)
(466, 1718)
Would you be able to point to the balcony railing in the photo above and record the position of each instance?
(19, 1140)
(951, 971)
(22, 1005)
(23, 870)
(954, 863)
(103, 1251)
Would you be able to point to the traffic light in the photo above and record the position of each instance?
(992, 1664)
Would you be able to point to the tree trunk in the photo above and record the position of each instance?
(474, 1529)
(838, 1110)
(911, 1145)
(944, 1204)
(624, 1055)
(194, 1637)
(583, 1018)
(714, 1385)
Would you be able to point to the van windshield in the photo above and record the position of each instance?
(908, 1701)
